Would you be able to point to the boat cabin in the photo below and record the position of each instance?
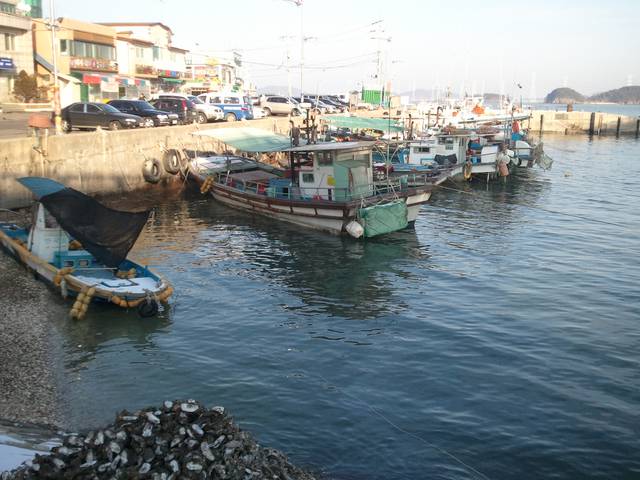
(445, 150)
(333, 171)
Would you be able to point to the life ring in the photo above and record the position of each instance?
(152, 170)
(171, 161)
(467, 170)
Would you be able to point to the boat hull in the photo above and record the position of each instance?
(322, 215)
(122, 292)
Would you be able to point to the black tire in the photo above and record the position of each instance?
(230, 117)
(152, 170)
(114, 125)
(201, 118)
(171, 161)
(148, 308)
(267, 111)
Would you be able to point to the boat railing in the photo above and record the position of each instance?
(312, 193)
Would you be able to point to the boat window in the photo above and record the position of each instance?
(324, 159)
(83, 263)
(421, 149)
(68, 263)
(307, 178)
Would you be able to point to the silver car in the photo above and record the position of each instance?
(279, 105)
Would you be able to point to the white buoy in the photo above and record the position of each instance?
(354, 229)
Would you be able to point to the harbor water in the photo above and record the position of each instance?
(499, 339)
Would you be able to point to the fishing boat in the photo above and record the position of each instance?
(79, 246)
(328, 186)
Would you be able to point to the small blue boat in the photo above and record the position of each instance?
(80, 246)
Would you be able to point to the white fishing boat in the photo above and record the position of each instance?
(328, 186)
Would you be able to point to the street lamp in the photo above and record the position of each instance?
(56, 81)
(299, 3)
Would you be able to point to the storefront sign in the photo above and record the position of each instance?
(85, 63)
(145, 70)
(91, 79)
(169, 74)
(6, 63)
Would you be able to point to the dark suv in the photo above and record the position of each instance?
(94, 115)
(185, 109)
(152, 116)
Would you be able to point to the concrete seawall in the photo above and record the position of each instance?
(548, 121)
(102, 161)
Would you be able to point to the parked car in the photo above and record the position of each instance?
(206, 111)
(234, 106)
(94, 115)
(185, 109)
(258, 112)
(279, 105)
(151, 115)
(335, 104)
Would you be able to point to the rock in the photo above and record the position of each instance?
(194, 467)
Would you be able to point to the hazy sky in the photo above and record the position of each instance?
(584, 44)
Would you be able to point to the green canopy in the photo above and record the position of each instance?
(248, 139)
(384, 124)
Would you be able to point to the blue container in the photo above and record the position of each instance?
(281, 187)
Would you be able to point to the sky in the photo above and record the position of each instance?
(463, 45)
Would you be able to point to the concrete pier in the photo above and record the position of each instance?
(549, 121)
(101, 162)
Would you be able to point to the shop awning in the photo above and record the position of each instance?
(359, 123)
(171, 80)
(248, 139)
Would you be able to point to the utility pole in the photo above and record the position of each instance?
(288, 58)
(56, 80)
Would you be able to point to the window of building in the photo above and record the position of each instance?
(172, 56)
(7, 7)
(139, 52)
(64, 47)
(156, 53)
(9, 41)
(307, 178)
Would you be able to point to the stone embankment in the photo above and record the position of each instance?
(103, 162)
(180, 440)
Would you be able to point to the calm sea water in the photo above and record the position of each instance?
(499, 340)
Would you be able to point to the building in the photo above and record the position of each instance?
(212, 72)
(34, 8)
(169, 64)
(16, 47)
(135, 66)
(86, 57)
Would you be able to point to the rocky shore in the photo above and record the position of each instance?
(28, 341)
(180, 439)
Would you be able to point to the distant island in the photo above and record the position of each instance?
(564, 95)
(625, 95)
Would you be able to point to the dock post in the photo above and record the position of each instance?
(637, 128)
(541, 123)
(618, 128)
(592, 123)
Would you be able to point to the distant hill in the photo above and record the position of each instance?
(619, 95)
(564, 95)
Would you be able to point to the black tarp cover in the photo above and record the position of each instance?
(105, 233)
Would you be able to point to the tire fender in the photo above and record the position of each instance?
(152, 170)
(172, 161)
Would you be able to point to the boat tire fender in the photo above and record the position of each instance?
(152, 170)
(171, 161)
(148, 308)
(467, 171)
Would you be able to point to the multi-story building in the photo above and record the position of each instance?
(135, 65)
(86, 52)
(168, 60)
(211, 72)
(16, 47)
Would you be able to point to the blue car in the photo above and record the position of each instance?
(234, 105)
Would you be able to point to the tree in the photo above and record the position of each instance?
(26, 87)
